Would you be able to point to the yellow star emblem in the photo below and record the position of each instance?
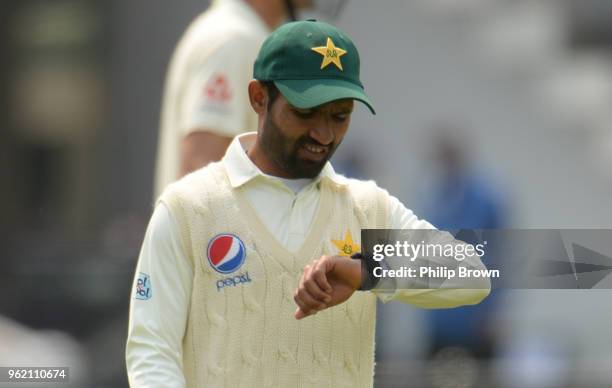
(331, 54)
(347, 247)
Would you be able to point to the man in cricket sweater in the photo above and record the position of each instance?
(245, 276)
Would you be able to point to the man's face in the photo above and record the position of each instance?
(300, 141)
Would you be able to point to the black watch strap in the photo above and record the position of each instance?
(368, 264)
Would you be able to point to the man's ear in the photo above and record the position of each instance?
(258, 96)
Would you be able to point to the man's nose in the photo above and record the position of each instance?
(322, 133)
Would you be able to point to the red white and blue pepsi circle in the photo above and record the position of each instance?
(226, 253)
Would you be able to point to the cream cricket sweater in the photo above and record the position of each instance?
(247, 335)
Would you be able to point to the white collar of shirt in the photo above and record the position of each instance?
(244, 11)
(240, 168)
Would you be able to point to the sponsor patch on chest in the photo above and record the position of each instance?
(226, 253)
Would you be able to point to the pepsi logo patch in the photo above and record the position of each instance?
(226, 253)
(143, 287)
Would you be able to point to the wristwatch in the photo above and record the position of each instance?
(368, 264)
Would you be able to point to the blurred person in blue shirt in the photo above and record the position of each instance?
(462, 198)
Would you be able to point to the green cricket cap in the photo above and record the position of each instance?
(311, 63)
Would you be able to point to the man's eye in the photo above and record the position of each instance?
(341, 116)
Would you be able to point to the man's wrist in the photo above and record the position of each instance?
(368, 264)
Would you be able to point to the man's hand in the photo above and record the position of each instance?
(328, 281)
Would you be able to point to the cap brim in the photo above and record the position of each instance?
(309, 93)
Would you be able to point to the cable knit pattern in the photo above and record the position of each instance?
(246, 335)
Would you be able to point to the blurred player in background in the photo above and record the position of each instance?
(205, 102)
(239, 252)
(463, 196)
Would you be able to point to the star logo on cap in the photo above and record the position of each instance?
(331, 54)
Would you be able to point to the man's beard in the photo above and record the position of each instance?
(284, 152)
